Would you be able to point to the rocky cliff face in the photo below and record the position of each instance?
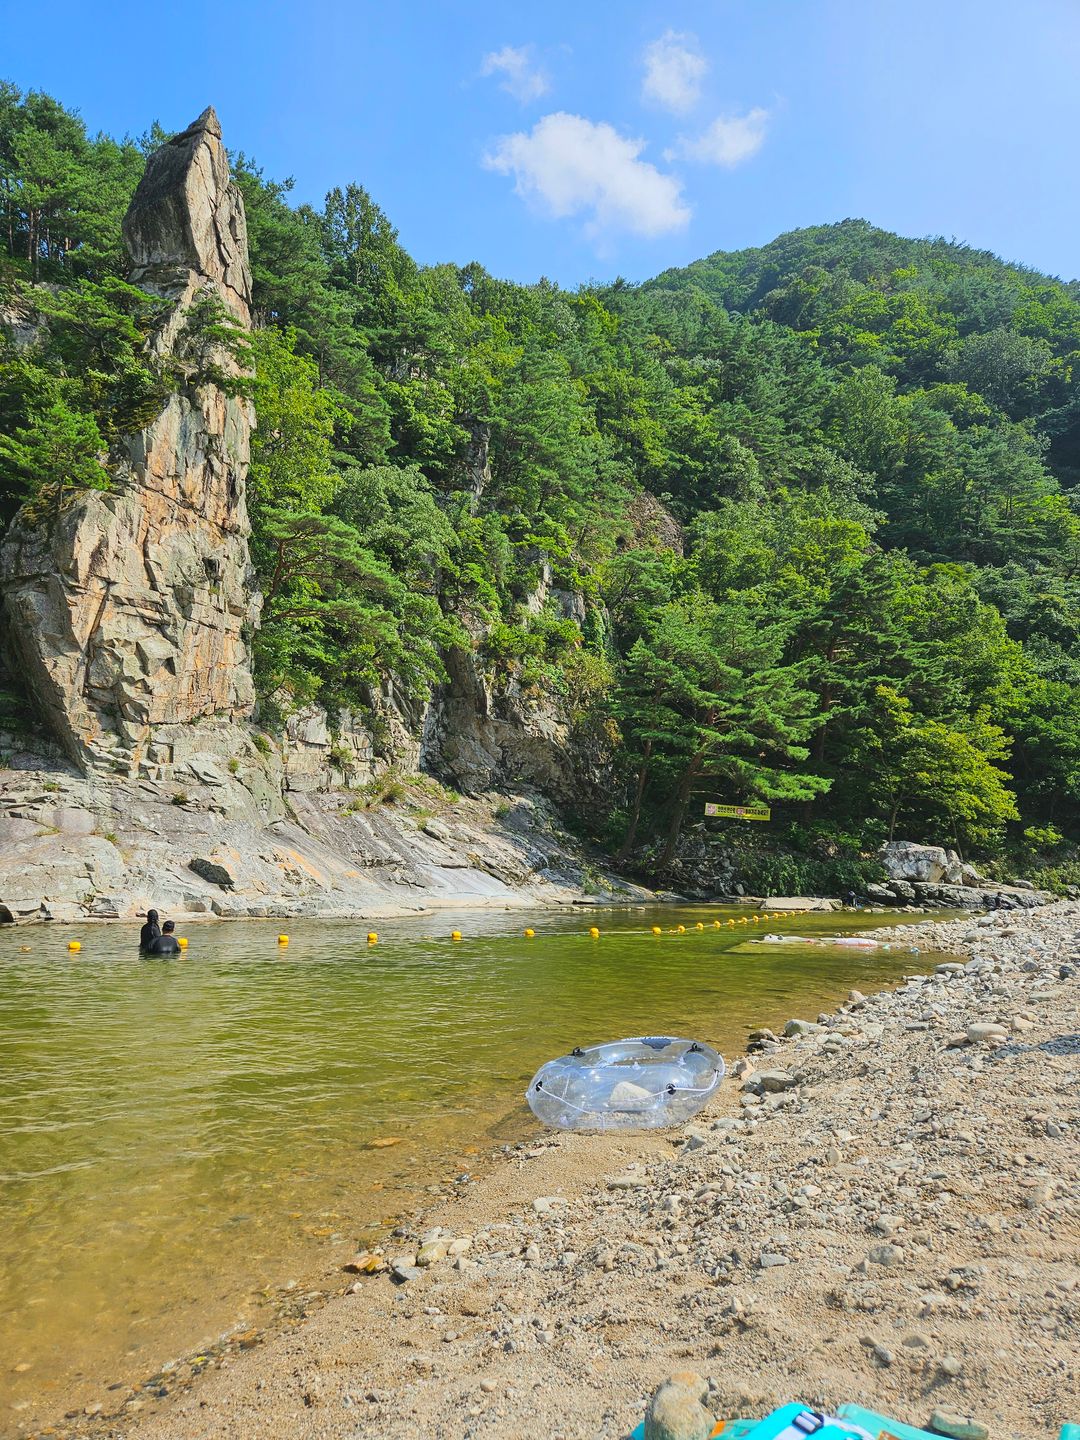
(128, 616)
(130, 611)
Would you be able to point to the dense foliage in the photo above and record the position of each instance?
(815, 501)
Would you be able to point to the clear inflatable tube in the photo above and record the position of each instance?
(643, 1084)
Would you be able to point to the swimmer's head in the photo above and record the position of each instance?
(151, 915)
(168, 927)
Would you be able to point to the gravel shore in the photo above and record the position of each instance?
(883, 1207)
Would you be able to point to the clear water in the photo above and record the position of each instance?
(178, 1136)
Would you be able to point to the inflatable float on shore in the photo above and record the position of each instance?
(644, 1084)
(851, 1422)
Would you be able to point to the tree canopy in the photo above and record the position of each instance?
(814, 504)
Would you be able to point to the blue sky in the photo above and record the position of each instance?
(584, 140)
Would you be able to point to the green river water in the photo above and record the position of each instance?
(178, 1136)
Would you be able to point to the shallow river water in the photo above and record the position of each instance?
(176, 1137)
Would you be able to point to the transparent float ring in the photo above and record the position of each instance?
(642, 1084)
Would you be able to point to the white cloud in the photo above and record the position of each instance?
(673, 72)
(728, 141)
(521, 78)
(573, 166)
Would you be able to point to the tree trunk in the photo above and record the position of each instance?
(682, 799)
(635, 813)
(817, 750)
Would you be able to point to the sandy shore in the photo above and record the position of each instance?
(892, 1215)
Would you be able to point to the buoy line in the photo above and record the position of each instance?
(698, 927)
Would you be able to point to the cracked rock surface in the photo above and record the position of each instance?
(130, 609)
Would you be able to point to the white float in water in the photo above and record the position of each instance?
(626, 1085)
(786, 940)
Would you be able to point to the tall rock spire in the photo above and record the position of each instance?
(187, 215)
(131, 612)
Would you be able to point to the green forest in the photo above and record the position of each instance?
(818, 498)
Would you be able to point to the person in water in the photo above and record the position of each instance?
(150, 931)
(165, 943)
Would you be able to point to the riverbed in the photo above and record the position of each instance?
(181, 1139)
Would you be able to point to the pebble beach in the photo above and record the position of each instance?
(881, 1205)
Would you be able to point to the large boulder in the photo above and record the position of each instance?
(130, 609)
(677, 1409)
(921, 864)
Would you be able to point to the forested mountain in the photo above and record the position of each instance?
(816, 499)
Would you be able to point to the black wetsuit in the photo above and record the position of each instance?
(148, 934)
(163, 945)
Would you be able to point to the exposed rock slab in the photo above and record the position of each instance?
(218, 836)
(130, 610)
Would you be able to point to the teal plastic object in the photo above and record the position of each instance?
(799, 1422)
(733, 1430)
(875, 1423)
(782, 1425)
(861, 1423)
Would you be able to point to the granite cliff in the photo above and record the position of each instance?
(128, 611)
(128, 617)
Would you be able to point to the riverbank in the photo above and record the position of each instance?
(233, 842)
(893, 1220)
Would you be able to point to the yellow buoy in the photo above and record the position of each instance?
(594, 932)
(74, 944)
(743, 920)
(680, 929)
(699, 926)
(754, 919)
(283, 939)
(656, 930)
(455, 934)
(730, 922)
(372, 937)
(716, 924)
(181, 940)
(529, 934)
